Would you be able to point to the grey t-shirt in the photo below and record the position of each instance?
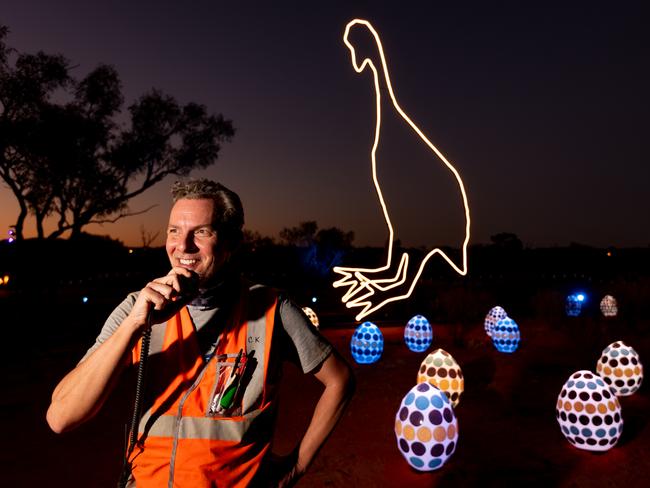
(300, 341)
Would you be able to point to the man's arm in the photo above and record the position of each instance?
(82, 392)
(337, 377)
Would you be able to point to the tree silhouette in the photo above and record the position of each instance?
(63, 155)
(301, 236)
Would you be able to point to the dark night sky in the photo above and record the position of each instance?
(543, 110)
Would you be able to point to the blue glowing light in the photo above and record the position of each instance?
(574, 304)
(367, 343)
(84, 299)
(314, 299)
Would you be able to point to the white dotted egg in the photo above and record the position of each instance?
(311, 315)
(441, 370)
(608, 306)
(589, 413)
(493, 316)
(620, 367)
(426, 428)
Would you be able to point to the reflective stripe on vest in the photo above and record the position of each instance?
(182, 445)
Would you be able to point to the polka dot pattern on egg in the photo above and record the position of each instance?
(367, 343)
(426, 428)
(608, 306)
(311, 315)
(506, 335)
(589, 413)
(418, 334)
(442, 371)
(620, 367)
(493, 316)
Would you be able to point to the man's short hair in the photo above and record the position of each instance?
(229, 212)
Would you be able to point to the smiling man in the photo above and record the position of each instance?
(217, 347)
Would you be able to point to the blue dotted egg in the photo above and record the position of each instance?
(573, 306)
(418, 334)
(367, 343)
(506, 335)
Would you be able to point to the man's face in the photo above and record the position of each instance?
(192, 240)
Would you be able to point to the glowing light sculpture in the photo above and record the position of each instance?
(574, 304)
(367, 343)
(418, 334)
(426, 428)
(363, 290)
(608, 306)
(442, 371)
(589, 413)
(506, 335)
(620, 367)
(311, 315)
(493, 316)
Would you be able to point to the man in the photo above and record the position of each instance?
(214, 363)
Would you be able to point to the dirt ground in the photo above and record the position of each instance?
(508, 435)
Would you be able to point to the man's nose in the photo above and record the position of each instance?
(186, 243)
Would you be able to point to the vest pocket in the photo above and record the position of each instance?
(226, 397)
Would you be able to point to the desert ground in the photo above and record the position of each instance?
(508, 434)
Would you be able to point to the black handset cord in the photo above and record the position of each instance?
(137, 407)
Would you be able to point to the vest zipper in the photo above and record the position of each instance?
(177, 426)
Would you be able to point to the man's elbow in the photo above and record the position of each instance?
(54, 421)
(348, 381)
(57, 421)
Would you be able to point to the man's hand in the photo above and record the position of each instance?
(165, 296)
(284, 470)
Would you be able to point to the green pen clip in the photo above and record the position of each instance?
(228, 395)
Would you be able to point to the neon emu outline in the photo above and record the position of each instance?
(360, 287)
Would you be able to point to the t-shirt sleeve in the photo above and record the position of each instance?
(310, 347)
(113, 321)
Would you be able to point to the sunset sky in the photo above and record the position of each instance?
(542, 110)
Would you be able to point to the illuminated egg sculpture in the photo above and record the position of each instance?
(311, 315)
(608, 306)
(619, 366)
(426, 428)
(418, 334)
(441, 370)
(589, 413)
(506, 335)
(574, 304)
(494, 315)
(367, 343)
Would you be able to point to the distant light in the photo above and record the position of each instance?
(314, 299)
(5, 279)
(581, 297)
(11, 239)
(84, 299)
(130, 251)
(609, 253)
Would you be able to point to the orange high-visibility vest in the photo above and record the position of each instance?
(180, 443)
